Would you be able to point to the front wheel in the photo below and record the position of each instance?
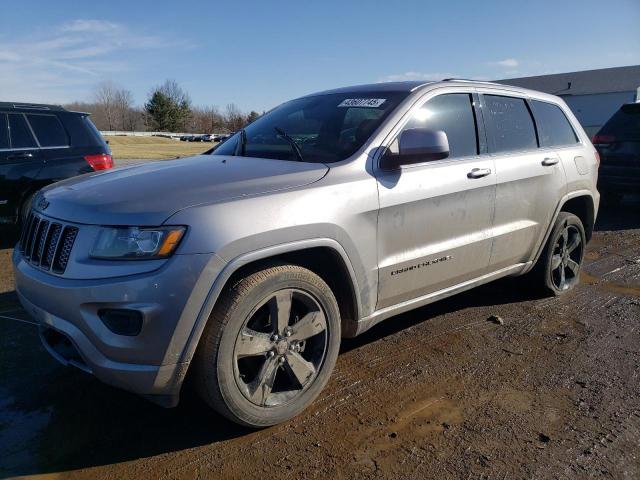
(269, 346)
(558, 268)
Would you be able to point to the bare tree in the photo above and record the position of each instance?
(105, 97)
(234, 118)
(123, 109)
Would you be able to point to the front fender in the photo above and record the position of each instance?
(217, 273)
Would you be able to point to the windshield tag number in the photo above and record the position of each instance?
(362, 102)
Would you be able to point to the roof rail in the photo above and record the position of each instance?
(453, 79)
(31, 106)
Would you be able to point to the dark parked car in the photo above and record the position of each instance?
(39, 145)
(618, 143)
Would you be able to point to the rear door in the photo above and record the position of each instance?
(530, 180)
(60, 160)
(435, 219)
(20, 162)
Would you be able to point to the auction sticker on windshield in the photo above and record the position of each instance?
(362, 102)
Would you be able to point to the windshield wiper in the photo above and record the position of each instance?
(291, 141)
(242, 141)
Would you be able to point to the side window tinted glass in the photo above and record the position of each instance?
(453, 114)
(510, 124)
(553, 127)
(4, 131)
(19, 132)
(49, 130)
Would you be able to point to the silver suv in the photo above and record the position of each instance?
(244, 268)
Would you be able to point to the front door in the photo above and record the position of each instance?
(435, 219)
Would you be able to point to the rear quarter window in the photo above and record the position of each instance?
(49, 130)
(553, 126)
(82, 130)
(509, 123)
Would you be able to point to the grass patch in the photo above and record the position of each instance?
(125, 148)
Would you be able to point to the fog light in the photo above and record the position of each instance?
(121, 321)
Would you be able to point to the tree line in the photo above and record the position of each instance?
(167, 109)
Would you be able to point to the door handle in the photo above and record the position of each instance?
(479, 172)
(547, 162)
(20, 156)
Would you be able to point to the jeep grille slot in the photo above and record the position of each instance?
(64, 249)
(47, 244)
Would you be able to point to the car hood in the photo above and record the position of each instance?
(148, 194)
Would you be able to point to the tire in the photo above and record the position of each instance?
(259, 368)
(554, 262)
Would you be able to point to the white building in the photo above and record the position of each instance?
(592, 95)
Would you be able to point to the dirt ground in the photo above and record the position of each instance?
(441, 392)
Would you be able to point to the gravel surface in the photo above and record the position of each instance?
(446, 391)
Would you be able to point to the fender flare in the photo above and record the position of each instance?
(563, 200)
(261, 254)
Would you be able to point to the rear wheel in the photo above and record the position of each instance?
(269, 346)
(558, 268)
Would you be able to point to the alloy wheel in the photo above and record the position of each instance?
(281, 348)
(566, 258)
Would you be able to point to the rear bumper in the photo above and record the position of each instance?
(149, 363)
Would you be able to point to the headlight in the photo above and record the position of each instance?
(130, 243)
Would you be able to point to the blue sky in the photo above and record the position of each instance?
(260, 53)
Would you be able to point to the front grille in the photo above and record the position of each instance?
(47, 244)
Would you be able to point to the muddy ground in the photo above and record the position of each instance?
(441, 392)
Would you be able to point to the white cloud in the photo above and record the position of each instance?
(427, 77)
(507, 63)
(64, 63)
(85, 25)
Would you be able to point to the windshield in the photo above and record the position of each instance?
(325, 128)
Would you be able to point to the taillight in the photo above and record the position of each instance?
(102, 161)
(600, 139)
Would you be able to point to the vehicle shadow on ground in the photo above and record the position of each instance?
(622, 216)
(499, 292)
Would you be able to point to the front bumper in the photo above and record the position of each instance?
(148, 363)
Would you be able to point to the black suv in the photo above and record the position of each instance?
(39, 145)
(618, 143)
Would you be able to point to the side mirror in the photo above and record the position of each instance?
(417, 145)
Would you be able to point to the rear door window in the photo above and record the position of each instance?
(4, 132)
(453, 114)
(553, 127)
(48, 130)
(19, 132)
(510, 124)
